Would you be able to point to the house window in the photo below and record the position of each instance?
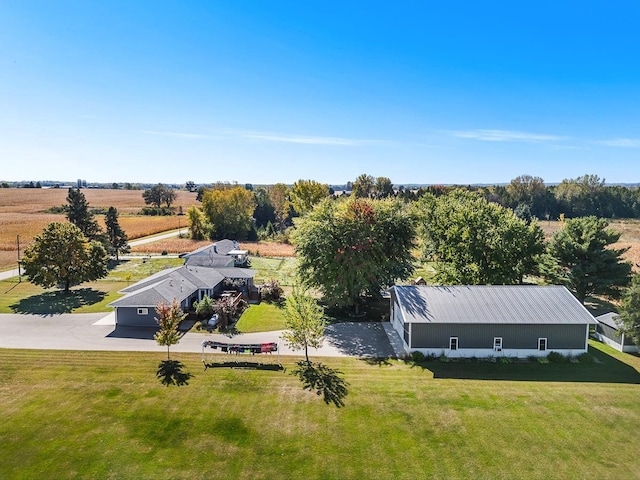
(542, 344)
(497, 344)
(143, 311)
(453, 343)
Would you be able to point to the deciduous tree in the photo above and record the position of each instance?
(307, 193)
(168, 319)
(580, 256)
(198, 226)
(475, 242)
(304, 322)
(159, 194)
(62, 256)
(230, 212)
(354, 247)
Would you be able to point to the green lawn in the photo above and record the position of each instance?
(280, 269)
(105, 415)
(24, 297)
(263, 317)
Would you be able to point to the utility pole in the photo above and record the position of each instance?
(19, 272)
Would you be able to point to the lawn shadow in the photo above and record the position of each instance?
(324, 380)
(604, 369)
(170, 373)
(58, 301)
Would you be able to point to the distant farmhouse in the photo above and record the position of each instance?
(208, 271)
(608, 331)
(490, 320)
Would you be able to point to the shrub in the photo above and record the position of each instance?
(271, 291)
(585, 358)
(443, 358)
(557, 357)
(417, 357)
(204, 308)
(542, 360)
(504, 360)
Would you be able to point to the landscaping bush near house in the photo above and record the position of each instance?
(204, 308)
(557, 357)
(271, 291)
(585, 358)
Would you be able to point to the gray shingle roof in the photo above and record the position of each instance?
(178, 283)
(486, 304)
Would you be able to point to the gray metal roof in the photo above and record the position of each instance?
(609, 319)
(221, 247)
(487, 304)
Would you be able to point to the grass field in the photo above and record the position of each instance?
(105, 415)
(262, 317)
(24, 297)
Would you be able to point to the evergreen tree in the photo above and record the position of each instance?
(117, 237)
(79, 214)
(580, 256)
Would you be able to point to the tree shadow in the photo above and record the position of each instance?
(324, 380)
(58, 301)
(170, 373)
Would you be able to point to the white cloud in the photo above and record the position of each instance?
(621, 142)
(175, 134)
(307, 140)
(505, 136)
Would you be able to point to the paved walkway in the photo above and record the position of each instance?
(97, 331)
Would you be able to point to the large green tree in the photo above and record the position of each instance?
(79, 214)
(305, 322)
(62, 256)
(198, 226)
(118, 239)
(229, 212)
(355, 247)
(476, 242)
(307, 193)
(580, 256)
(159, 194)
(629, 310)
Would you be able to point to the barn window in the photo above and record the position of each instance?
(497, 344)
(143, 311)
(453, 343)
(542, 344)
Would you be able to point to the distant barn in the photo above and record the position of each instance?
(608, 331)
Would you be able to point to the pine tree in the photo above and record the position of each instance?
(79, 214)
(117, 237)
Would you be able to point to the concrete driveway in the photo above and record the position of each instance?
(97, 331)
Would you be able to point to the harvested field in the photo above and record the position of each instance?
(180, 245)
(23, 212)
(37, 200)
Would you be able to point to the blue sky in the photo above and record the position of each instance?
(275, 91)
